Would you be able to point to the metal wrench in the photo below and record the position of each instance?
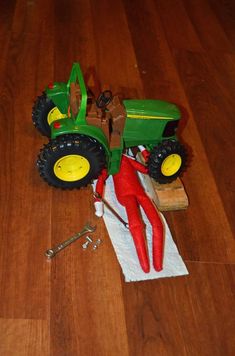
(54, 250)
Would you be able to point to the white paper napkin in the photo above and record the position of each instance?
(124, 247)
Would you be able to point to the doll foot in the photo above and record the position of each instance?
(145, 267)
(157, 267)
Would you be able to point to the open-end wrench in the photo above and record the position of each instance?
(54, 250)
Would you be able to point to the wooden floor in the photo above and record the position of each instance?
(177, 50)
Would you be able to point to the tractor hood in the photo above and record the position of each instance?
(152, 109)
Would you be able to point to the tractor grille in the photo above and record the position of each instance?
(170, 128)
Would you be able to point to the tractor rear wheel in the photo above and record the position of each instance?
(167, 161)
(71, 161)
(44, 112)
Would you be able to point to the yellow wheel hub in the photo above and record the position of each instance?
(171, 164)
(54, 115)
(71, 168)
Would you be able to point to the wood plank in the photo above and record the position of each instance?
(153, 56)
(172, 196)
(177, 316)
(214, 30)
(224, 11)
(119, 69)
(178, 26)
(24, 337)
(25, 214)
(212, 98)
(77, 42)
(6, 17)
(34, 17)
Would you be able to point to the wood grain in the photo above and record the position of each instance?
(78, 303)
(24, 337)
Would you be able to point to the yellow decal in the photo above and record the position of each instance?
(149, 117)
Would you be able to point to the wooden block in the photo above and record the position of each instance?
(167, 197)
(170, 196)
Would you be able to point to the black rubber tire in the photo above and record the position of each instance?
(42, 106)
(66, 145)
(159, 154)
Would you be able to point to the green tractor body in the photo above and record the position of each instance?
(146, 121)
(113, 125)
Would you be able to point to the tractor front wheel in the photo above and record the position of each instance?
(71, 161)
(167, 161)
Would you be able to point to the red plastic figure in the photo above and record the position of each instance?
(131, 194)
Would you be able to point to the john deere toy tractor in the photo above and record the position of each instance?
(86, 135)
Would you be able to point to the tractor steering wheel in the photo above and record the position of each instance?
(104, 99)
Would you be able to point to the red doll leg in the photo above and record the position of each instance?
(157, 229)
(137, 230)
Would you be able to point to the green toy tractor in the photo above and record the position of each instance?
(87, 135)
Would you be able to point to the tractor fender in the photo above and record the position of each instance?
(67, 126)
(58, 93)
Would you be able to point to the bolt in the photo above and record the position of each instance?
(87, 243)
(88, 238)
(96, 244)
